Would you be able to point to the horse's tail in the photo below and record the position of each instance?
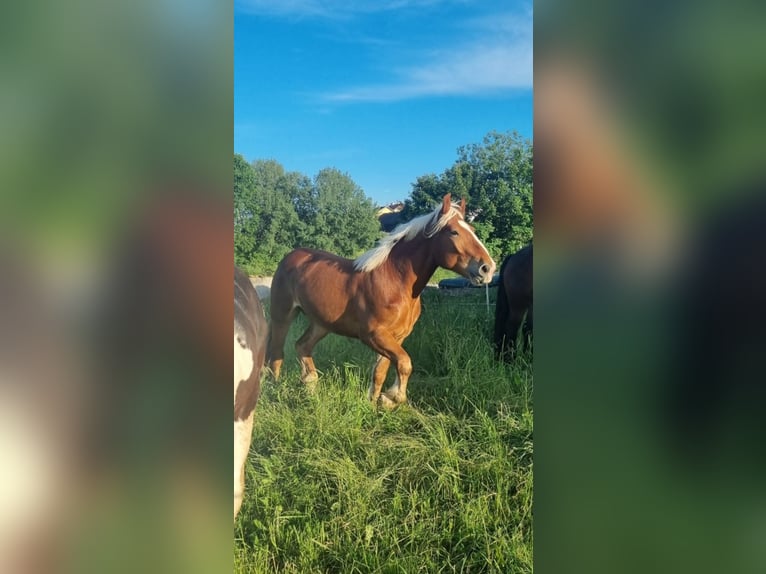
(501, 311)
(267, 356)
(277, 281)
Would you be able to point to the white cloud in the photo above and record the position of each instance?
(494, 54)
(499, 58)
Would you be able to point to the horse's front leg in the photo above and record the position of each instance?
(243, 432)
(397, 393)
(389, 347)
(379, 373)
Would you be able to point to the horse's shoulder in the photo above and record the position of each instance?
(394, 297)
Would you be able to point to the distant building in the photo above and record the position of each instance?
(395, 207)
(390, 215)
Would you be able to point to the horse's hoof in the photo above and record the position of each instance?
(387, 403)
(310, 382)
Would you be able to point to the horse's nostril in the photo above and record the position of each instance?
(484, 269)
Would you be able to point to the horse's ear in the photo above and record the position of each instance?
(446, 204)
(462, 206)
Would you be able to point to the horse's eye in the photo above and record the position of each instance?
(453, 232)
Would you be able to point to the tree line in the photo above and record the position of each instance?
(276, 210)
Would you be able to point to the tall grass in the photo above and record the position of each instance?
(443, 484)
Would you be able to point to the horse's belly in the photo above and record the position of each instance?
(347, 306)
(342, 326)
(339, 318)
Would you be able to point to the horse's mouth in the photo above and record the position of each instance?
(480, 273)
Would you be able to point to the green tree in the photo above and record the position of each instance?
(276, 211)
(266, 224)
(495, 177)
(247, 212)
(344, 219)
(426, 192)
(279, 226)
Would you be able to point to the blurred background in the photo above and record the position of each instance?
(115, 261)
(115, 286)
(650, 221)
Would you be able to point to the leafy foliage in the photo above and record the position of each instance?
(495, 178)
(276, 211)
(343, 217)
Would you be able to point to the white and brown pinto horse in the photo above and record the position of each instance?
(250, 331)
(375, 298)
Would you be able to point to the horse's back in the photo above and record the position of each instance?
(250, 332)
(304, 262)
(318, 282)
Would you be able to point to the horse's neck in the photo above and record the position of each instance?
(413, 263)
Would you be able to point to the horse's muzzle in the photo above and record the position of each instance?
(481, 273)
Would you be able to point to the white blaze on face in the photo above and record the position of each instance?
(467, 227)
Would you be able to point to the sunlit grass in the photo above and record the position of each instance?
(443, 484)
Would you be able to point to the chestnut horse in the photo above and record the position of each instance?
(375, 298)
(250, 330)
(514, 299)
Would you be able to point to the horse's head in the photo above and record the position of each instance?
(456, 246)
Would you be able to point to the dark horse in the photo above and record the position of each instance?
(514, 298)
(375, 298)
(250, 331)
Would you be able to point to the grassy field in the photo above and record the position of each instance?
(443, 484)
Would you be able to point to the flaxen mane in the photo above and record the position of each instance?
(429, 224)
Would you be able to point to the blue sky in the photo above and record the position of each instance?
(385, 90)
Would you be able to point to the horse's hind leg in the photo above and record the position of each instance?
(512, 323)
(501, 323)
(304, 347)
(282, 315)
(527, 329)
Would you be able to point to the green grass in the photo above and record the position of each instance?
(442, 273)
(443, 484)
